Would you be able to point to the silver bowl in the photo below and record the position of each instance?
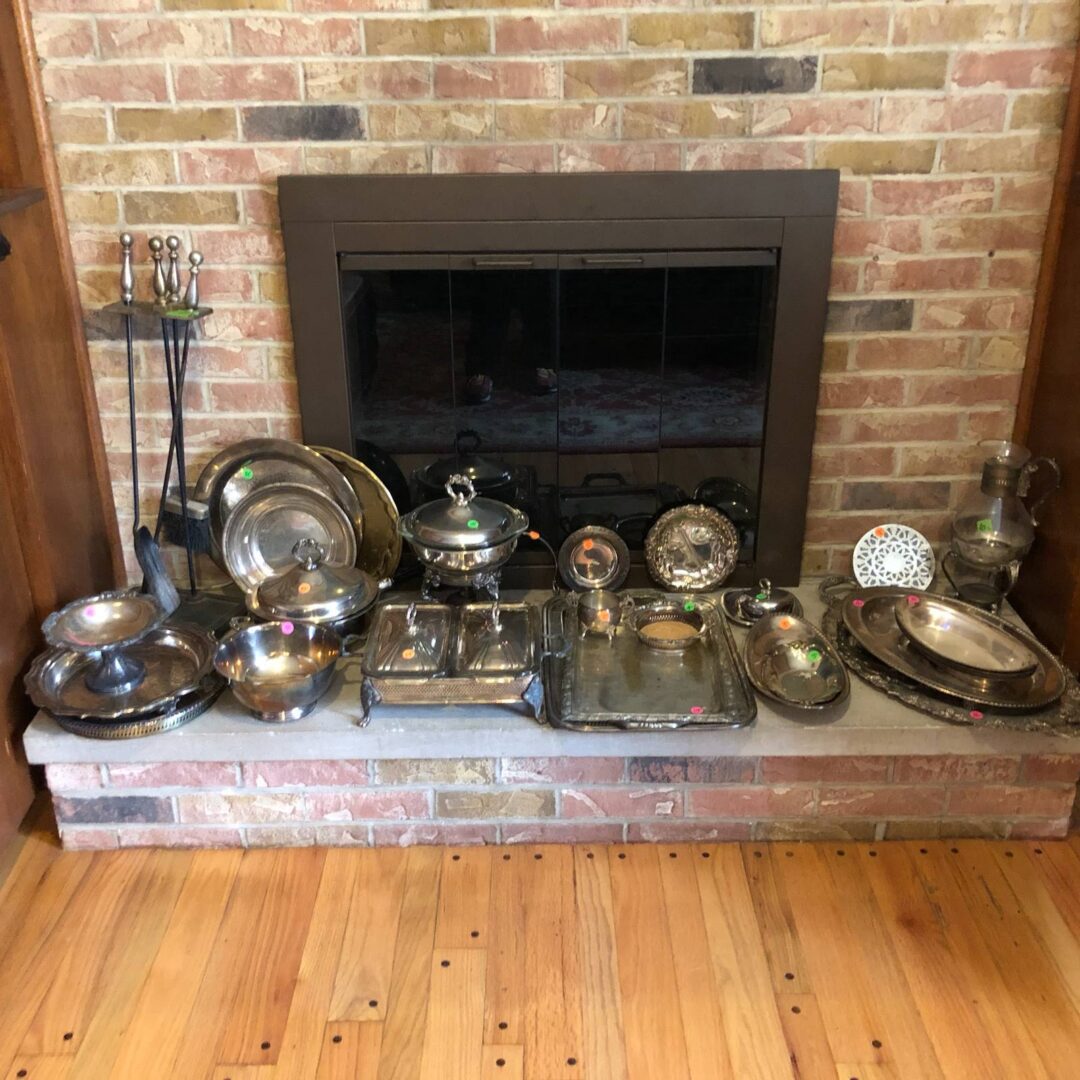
(668, 628)
(279, 670)
(600, 611)
(789, 660)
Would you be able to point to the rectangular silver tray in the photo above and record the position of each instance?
(504, 686)
(624, 684)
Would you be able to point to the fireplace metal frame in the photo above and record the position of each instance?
(325, 217)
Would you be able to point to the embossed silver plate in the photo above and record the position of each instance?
(246, 466)
(691, 548)
(870, 617)
(597, 686)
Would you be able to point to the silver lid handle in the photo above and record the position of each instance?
(309, 553)
(458, 480)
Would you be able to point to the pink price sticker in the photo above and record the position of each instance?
(975, 714)
(696, 710)
(287, 628)
(858, 603)
(912, 599)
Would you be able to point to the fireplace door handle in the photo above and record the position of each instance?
(495, 263)
(613, 260)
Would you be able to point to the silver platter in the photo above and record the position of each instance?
(246, 466)
(729, 605)
(792, 662)
(176, 658)
(870, 617)
(594, 558)
(691, 548)
(973, 641)
(186, 709)
(265, 526)
(107, 620)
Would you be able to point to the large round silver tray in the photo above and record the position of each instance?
(380, 543)
(1058, 718)
(870, 617)
(691, 548)
(249, 465)
(263, 529)
(184, 710)
(177, 658)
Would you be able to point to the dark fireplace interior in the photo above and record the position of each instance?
(592, 358)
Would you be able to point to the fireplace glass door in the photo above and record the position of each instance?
(584, 389)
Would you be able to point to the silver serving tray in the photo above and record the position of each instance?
(598, 686)
(792, 662)
(246, 466)
(973, 641)
(263, 529)
(177, 658)
(870, 617)
(691, 548)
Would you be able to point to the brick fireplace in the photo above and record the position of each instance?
(944, 119)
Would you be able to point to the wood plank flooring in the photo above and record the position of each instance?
(898, 961)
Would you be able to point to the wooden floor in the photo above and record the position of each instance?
(898, 960)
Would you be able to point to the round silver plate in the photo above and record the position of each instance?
(176, 659)
(251, 464)
(691, 548)
(870, 617)
(263, 529)
(183, 711)
(594, 558)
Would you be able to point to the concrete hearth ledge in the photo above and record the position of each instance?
(870, 724)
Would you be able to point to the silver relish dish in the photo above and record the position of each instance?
(792, 662)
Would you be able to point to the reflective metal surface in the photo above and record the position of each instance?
(745, 606)
(691, 548)
(594, 686)
(600, 611)
(463, 522)
(246, 466)
(792, 662)
(108, 619)
(870, 616)
(496, 640)
(408, 639)
(380, 545)
(594, 558)
(669, 627)
(970, 640)
(175, 659)
(279, 670)
(264, 528)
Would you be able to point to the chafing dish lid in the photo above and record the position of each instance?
(408, 639)
(495, 639)
(764, 600)
(463, 522)
(314, 591)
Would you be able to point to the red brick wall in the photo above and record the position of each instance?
(944, 117)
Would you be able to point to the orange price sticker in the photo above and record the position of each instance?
(407, 654)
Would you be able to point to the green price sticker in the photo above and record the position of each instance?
(688, 606)
(759, 596)
(984, 525)
(473, 523)
(813, 656)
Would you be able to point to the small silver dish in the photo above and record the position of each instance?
(667, 628)
(970, 640)
(792, 662)
(600, 611)
(279, 670)
(745, 606)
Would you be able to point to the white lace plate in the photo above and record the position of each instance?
(894, 555)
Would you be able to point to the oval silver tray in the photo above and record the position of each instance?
(870, 617)
(792, 662)
(246, 466)
(972, 641)
(262, 531)
(177, 658)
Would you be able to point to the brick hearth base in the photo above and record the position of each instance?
(567, 799)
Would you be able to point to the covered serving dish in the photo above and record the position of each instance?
(463, 539)
(314, 592)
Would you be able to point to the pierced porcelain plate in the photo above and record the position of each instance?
(895, 556)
